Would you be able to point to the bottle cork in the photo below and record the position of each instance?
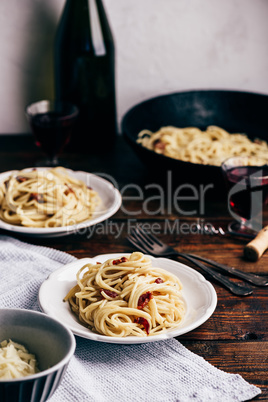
(255, 249)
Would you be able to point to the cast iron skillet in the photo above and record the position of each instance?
(235, 111)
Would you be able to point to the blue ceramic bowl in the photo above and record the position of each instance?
(51, 342)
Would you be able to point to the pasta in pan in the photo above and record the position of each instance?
(46, 198)
(127, 296)
(209, 147)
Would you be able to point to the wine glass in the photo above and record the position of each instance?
(246, 179)
(52, 123)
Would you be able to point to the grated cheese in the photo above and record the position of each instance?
(16, 361)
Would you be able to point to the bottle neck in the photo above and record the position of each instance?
(97, 31)
(84, 25)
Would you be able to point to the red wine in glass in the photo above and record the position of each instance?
(52, 124)
(242, 200)
(247, 187)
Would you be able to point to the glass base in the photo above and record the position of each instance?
(239, 229)
(54, 162)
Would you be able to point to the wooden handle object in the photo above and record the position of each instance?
(255, 249)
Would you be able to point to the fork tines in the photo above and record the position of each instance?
(143, 240)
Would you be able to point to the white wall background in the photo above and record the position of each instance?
(162, 46)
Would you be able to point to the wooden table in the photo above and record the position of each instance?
(235, 338)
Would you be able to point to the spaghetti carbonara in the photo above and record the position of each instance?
(209, 147)
(16, 361)
(46, 198)
(127, 296)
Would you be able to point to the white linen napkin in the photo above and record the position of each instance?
(98, 372)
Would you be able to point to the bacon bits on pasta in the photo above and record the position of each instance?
(46, 198)
(127, 297)
(209, 147)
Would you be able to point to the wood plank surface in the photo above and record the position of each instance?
(249, 359)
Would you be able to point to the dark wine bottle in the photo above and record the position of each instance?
(85, 72)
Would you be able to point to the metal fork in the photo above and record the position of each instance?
(164, 249)
(147, 243)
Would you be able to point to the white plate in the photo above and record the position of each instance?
(110, 203)
(199, 295)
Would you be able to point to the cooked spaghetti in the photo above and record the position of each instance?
(127, 296)
(209, 147)
(46, 198)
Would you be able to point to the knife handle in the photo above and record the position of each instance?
(255, 249)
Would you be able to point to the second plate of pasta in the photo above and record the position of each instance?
(46, 202)
(195, 303)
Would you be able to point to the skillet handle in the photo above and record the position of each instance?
(255, 249)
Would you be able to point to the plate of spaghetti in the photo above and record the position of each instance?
(128, 298)
(48, 202)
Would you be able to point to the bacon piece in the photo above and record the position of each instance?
(37, 197)
(119, 261)
(144, 322)
(109, 293)
(159, 280)
(21, 179)
(144, 300)
(69, 190)
(158, 144)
